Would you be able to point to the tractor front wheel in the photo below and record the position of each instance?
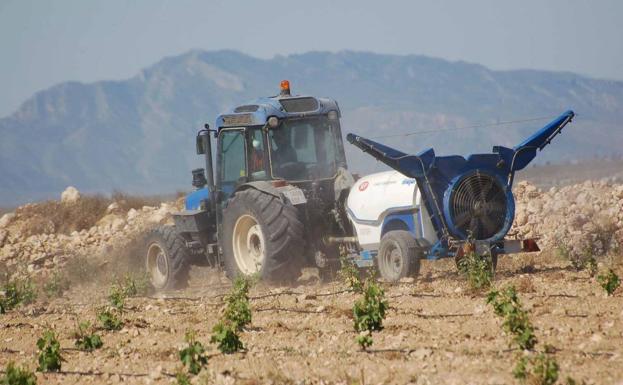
(399, 256)
(167, 260)
(262, 235)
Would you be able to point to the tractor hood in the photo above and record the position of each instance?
(194, 199)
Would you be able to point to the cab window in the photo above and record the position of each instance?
(257, 155)
(303, 149)
(232, 152)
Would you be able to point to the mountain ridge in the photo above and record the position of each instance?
(137, 134)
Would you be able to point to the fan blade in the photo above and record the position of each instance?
(461, 204)
(498, 207)
(485, 190)
(461, 219)
(471, 193)
(489, 225)
(474, 227)
(498, 193)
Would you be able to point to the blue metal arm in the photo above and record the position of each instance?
(413, 166)
(509, 159)
(521, 155)
(544, 136)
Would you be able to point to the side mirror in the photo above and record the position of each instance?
(203, 140)
(201, 144)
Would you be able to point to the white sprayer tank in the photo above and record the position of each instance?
(386, 201)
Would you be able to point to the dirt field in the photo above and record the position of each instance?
(436, 331)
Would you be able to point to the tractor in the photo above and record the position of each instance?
(283, 199)
(273, 204)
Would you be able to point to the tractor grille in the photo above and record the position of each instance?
(478, 206)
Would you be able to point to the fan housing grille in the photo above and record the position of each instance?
(478, 206)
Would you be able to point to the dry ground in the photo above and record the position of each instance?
(436, 331)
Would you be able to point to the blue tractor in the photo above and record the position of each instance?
(275, 197)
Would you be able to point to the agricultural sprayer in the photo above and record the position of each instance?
(432, 206)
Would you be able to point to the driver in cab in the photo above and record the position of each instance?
(284, 152)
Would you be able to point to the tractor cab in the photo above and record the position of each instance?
(275, 196)
(284, 138)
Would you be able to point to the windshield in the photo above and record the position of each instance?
(303, 149)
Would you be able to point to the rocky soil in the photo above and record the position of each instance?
(47, 251)
(583, 219)
(437, 329)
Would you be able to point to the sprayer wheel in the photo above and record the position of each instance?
(399, 256)
(167, 260)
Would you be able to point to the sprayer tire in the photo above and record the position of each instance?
(399, 256)
(167, 259)
(262, 235)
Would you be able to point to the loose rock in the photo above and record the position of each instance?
(70, 195)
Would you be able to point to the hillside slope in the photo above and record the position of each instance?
(137, 135)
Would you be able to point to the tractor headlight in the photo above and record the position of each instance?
(273, 122)
(332, 115)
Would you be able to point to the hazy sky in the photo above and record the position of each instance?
(45, 42)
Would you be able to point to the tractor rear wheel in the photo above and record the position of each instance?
(167, 260)
(262, 235)
(399, 256)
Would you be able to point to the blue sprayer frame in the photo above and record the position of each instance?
(437, 176)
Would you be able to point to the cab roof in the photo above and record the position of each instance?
(258, 111)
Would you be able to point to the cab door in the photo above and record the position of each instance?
(232, 160)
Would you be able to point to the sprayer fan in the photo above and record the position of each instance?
(478, 206)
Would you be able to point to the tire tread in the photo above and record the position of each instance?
(409, 245)
(178, 256)
(284, 233)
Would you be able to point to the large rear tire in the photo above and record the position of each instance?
(399, 256)
(167, 260)
(262, 235)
